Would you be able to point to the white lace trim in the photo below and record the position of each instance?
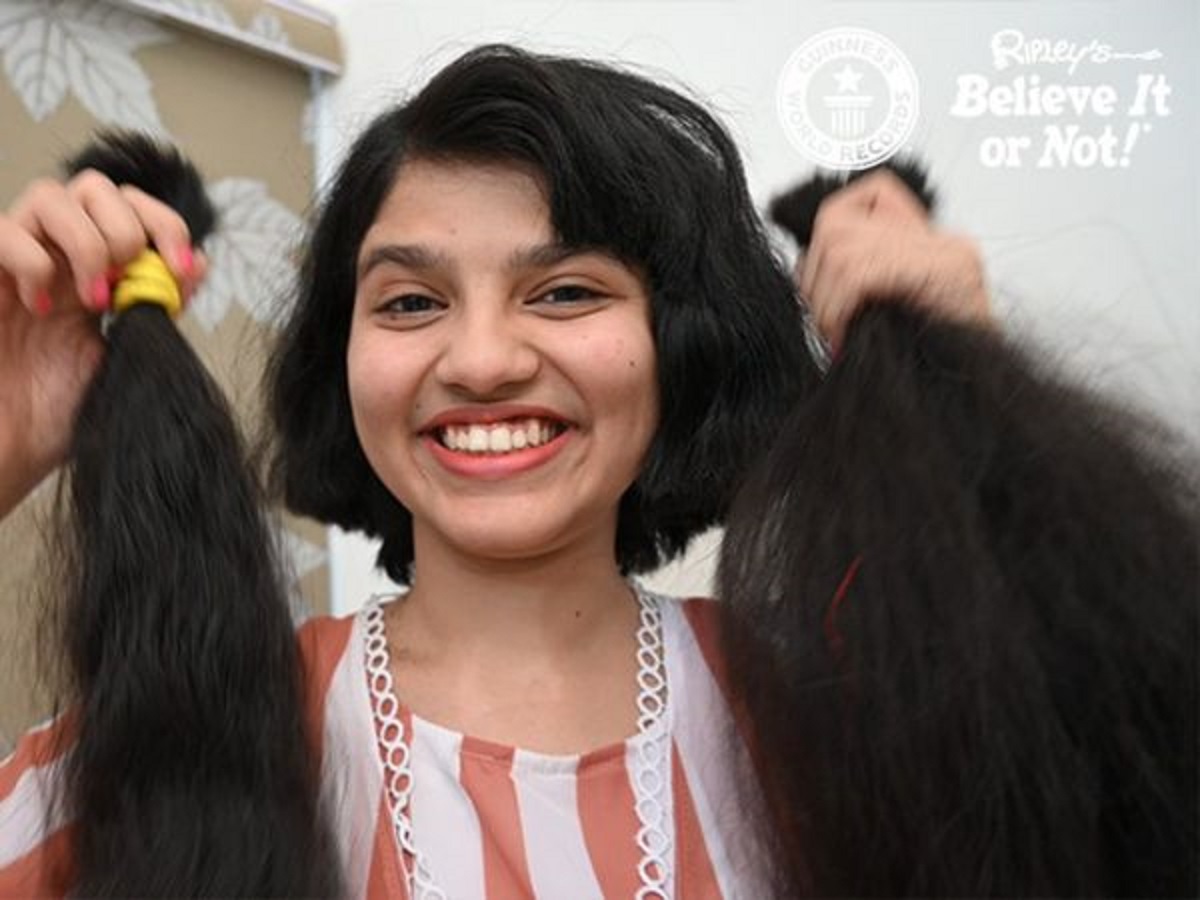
(397, 759)
(651, 762)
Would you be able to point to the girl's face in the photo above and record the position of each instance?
(503, 388)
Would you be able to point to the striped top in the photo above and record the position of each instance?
(491, 821)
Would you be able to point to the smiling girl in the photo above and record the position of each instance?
(528, 378)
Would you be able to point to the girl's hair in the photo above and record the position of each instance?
(189, 772)
(628, 166)
(960, 610)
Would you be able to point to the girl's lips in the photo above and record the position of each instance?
(495, 466)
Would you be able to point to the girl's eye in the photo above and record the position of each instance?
(410, 304)
(568, 294)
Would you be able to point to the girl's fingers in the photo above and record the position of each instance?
(95, 226)
(829, 228)
(26, 264)
(841, 283)
(199, 270)
(56, 220)
(871, 200)
(941, 273)
(131, 220)
(883, 194)
(839, 270)
(113, 216)
(166, 230)
(873, 240)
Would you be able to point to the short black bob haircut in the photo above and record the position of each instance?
(628, 166)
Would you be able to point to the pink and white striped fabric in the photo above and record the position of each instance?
(491, 821)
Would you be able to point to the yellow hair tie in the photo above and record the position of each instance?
(148, 280)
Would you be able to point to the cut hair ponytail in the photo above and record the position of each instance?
(190, 773)
(960, 608)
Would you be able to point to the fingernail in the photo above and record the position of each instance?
(101, 293)
(185, 261)
(42, 304)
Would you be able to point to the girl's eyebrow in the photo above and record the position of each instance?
(423, 259)
(411, 256)
(542, 256)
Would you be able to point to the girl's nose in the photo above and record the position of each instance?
(488, 352)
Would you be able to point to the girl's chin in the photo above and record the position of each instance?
(507, 542)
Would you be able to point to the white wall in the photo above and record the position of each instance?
(1101, 264)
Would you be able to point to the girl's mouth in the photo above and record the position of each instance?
(498, 437)
(492, 451)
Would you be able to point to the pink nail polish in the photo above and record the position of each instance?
(101, 293)
(185, 261)
(42, 304)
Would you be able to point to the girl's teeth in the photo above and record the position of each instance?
(499, 438)
(479, 439)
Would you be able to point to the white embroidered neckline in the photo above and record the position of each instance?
(651, 755)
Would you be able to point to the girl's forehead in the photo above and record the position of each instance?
(469, 206)
(450, 199)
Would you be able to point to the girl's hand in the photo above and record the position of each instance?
(872, 240)
(61, 248)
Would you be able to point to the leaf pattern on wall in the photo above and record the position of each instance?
(205, 12)
(52, 48)
(250, 254)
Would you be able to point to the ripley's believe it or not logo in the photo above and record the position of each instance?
(847, 98)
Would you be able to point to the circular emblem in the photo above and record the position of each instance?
(847, 98)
